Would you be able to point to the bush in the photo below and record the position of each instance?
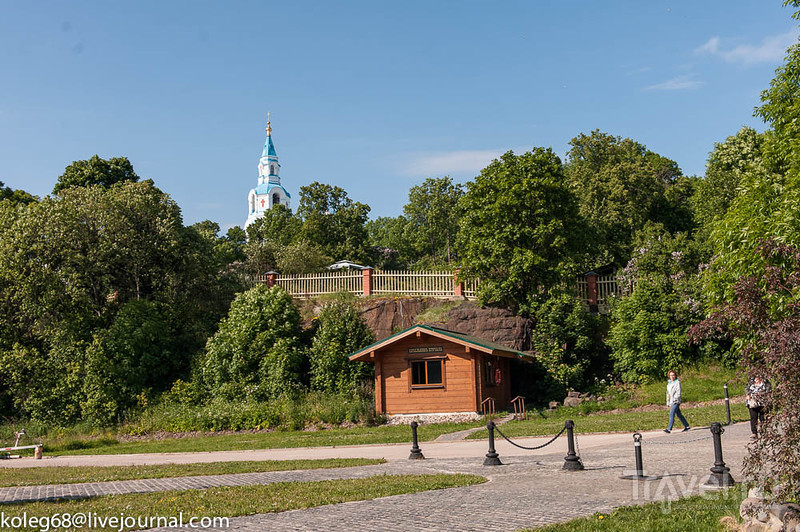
(132, 356)
(649, 326)
(568, 341)
(256, 353)
(340, 331)
(280, 413)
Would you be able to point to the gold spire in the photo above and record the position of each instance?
(269, 127)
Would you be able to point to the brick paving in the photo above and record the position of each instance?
(529, 490)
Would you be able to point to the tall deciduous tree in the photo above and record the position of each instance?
(520, 229)
(334, 222)
(96, 171)
(17, 197)
(433, 216)
(737, 156)
(620, 185)
(69, 263)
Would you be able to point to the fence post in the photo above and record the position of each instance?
(492, 458)
(458, 286)
(416, 452)
(272, 278)
(591, 290)
(727, 406)
(367, 280)
(637, 451)
(720, 473)
(572, 462)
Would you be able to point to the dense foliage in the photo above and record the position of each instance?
(340, 331)
(619, 185)
(568, 341)
(764, 318)
(77, 272)
(648, 335)
(520, 229)
(256, 354)
(96, 171)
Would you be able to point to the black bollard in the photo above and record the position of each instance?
(572, 462)
(637, 451)
(727, 405)
(416, 453)
(720, 473)
(492, 458)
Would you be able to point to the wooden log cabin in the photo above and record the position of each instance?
(427, 369)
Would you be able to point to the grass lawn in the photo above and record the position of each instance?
(550, 423)
(244, 500)
(701, 512)
(266, 440)
(31, 476)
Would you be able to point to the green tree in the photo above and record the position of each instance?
(568, 341)
(256, 353)
(649, 324)
(520, 230)
(17, 197)
(433, 217)
(96, 171)
(278, 225)
(335, 223)
(620, 185)
(68, 264)
(737, 156)
(132, 356)
(301, 257)
(387, 236)
(340, 331)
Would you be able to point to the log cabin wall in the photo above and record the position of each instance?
(395, 393)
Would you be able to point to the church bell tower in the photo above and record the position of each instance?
(269, 191)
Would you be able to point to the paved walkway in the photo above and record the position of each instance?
(393, 451)
(530, 490)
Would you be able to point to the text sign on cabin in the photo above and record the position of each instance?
(425, 350)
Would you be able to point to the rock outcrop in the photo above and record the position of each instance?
(388, 316)
(493, 324)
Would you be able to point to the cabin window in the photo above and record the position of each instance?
(427, 373)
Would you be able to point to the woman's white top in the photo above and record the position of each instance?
(673, 392)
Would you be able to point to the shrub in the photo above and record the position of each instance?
(568, 341)
(340, 331)
(256, 353)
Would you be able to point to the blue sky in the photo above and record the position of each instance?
(372, 96)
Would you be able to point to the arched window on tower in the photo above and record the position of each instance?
(252, 202)
(276, 199)
(273, 170)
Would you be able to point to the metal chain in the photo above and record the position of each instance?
(554, 438)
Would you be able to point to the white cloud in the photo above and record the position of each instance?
(450, 163)
(678, 83)
(771, 49)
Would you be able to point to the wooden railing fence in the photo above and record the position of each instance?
(595, 290)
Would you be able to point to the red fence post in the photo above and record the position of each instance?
(367, 280)
(272, 278)
(591, 289)
(458, 286)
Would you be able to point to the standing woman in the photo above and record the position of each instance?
(674, 401)
(756, 392)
